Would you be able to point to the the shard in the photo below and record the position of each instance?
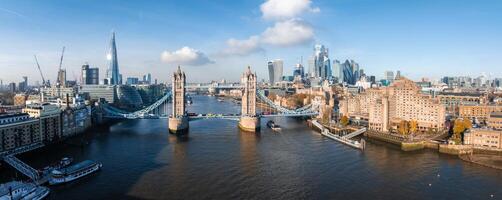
(113, 67)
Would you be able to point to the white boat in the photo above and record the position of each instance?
(271, 124)
(74, 172)
(20, 190)
(64, 162)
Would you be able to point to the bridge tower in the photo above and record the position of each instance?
(249, 120)
(178, 121)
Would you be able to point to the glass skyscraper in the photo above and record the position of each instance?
(319, 64)
(113, 68)
(275, 68)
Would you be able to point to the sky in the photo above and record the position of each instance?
(218, 39)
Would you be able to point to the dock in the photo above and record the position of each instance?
(342, 139)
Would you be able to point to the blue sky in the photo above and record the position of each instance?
(215, 39)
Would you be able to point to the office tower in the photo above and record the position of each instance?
(120, 79)
(348, 73)
(12, 87)
(23, 86)
(275, 68)
(319, 63)
(62, 78)
(373, 79)
(132, 81)
(389, 76)
(350, 70)
(355, 71)
(299, 71)
(147, 79)
(338, 71)
(361, 73)
(90, 76)
(113, 67)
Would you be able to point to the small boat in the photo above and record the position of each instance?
(73, 172)
(271, 124)
(220, 100)
(21, 190)
(189, 100)
(64, 162)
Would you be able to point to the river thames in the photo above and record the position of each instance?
(217, 161)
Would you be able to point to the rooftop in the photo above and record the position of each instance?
(496, 114)
(8, 115)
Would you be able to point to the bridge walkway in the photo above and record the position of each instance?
(22, 167)
(325, 132)
(355, 133)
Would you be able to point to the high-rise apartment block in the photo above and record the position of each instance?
(386, 107)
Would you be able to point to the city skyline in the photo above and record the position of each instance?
(152, 38)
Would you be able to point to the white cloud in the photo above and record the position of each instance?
(185, 56)
(286, 9)
(243, 47)
(288, 33)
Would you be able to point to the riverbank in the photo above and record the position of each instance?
(484, 157)
(492, 161)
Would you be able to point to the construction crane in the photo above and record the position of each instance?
(60, 64)
(40, 70)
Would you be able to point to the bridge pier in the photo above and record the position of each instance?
(178, 125)
(178, 121)
(249, 124)
(249, 120)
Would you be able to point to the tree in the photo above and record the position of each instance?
(272, 96)
(459, 126)
(467, 123)
(413, 126)
(344, 121)
(403, 127)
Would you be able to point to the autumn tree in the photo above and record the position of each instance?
(459, 127)
(413, 126)
(467, 123)
(272, 96)
(344, 121)
(404, 127)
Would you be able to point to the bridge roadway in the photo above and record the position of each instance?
(222, 116)
(111, 112)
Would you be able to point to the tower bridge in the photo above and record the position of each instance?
(249, 118)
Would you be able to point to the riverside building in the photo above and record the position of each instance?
(49, 118)
(484, 138)
(18, 130)
(386, 107)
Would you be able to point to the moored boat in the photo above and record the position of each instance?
(73, 172)
(21, 190)
(271, 124)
